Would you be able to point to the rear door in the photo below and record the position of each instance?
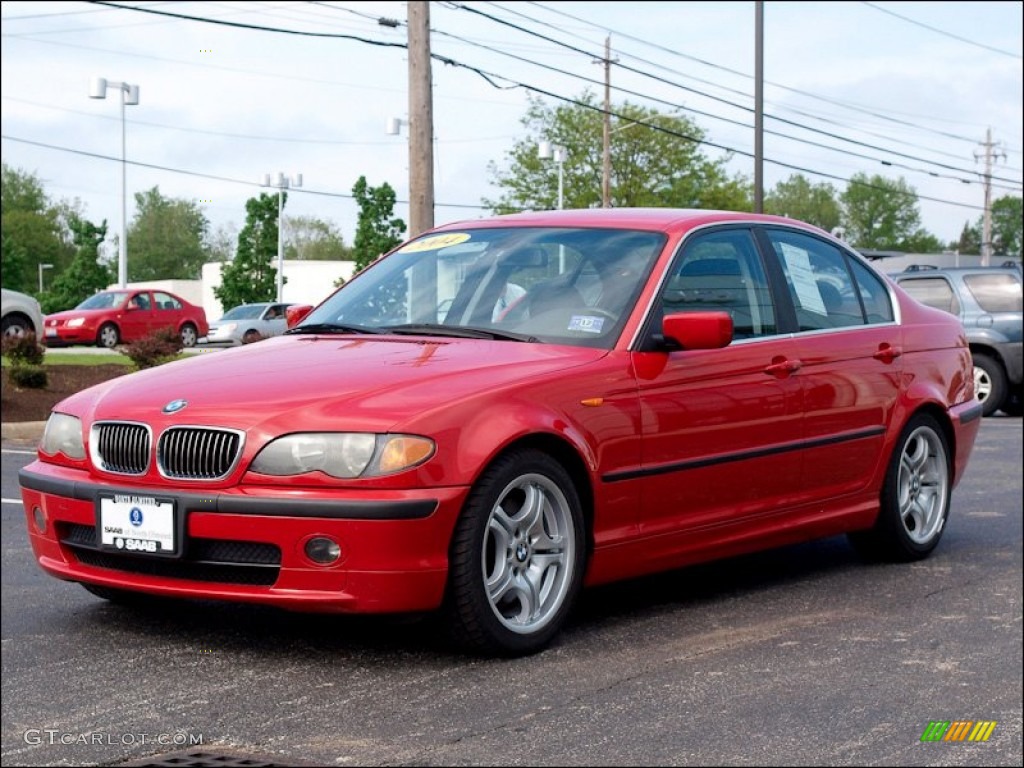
(849, 346)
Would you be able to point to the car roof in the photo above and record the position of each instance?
(928, 271)
(670, 220)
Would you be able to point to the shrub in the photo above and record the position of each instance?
(159, 347)
(23, 350)
(28, 376)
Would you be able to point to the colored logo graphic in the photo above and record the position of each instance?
(135, 516)
(958, 730)
(174, 406)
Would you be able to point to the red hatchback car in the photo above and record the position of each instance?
(667, 387)
(110, 318)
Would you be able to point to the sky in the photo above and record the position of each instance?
(905, 90)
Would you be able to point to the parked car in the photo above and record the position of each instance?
(674, 386)
(119, 316)
(21, 315)
(988, 302)
(247, 323)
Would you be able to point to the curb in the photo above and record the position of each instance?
(22, 430)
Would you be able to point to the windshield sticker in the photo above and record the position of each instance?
(586, 323)
(434, 243)
(798, 264)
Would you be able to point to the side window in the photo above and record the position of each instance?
(165, 301)
(820, 284)
(141, 300)
(933, 291)
(995, 292)
(722, 271)
(874, 294)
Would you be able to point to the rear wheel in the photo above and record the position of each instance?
(189, 335)
(915, 497)
(517, 557)
(989, 383)
(108, 336)
(16, 327)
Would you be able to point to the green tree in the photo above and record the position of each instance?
(377, 232)
(85, 275)
(311, 239)
(656, 160)
(33, 231)
(882, 213)
(1007, 226)
(251, 275)
(166, 239)
(798, 198)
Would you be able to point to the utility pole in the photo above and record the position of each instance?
(759, 107)
(606, 178)
(421, 120)
(986, 230)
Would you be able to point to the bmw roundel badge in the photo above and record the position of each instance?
(174, 406)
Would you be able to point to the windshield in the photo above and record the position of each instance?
(244, 312)
(564, 286)
(105, 300)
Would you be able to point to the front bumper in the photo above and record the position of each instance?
(248, 544)
(63, 336)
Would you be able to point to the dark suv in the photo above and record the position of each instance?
(988, 302)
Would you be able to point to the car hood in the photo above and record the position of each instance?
(292, 383)
(67, 314)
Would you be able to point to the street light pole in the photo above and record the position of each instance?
(129, 97)
(41, 268)
(282, 183)
(547, 151)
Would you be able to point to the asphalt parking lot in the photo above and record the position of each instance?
(799, 656)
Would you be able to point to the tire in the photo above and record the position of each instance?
(1013, 405)
(15, 327)
(189, 335)
(914, 504)
(989, 384)
(108, 336)
(517, 557)
(251, 336)
(118, 596)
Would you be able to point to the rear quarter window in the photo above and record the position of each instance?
(995, 293)
(933, 291)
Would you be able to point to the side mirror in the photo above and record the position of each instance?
(297, 313)
(698, 330)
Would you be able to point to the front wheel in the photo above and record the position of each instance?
(189, 335)
(915, 496)
(517, 557)
(108, 336)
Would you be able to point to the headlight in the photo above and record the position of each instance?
(342, 454)
(63, 434)
(76, 322)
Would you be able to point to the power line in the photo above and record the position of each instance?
(200, 174)
(942, 31)
(706, 95)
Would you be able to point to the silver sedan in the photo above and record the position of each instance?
(247, 323)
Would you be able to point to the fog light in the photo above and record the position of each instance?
(39, 518)
(323, 550)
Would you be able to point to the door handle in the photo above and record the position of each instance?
(781, 367)
(887, 353)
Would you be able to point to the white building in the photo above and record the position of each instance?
(306, 282)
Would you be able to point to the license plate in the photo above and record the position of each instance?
(51, 331)
(137, 524)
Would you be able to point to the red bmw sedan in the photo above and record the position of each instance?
(664, 387)
(110, 318)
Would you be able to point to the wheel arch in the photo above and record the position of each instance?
(564, 453)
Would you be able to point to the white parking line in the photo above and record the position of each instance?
(11, 501)
(15, 450)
